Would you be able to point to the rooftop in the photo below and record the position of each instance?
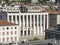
(5, 23)
(53, 12)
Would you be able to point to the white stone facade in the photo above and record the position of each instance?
(9, 33)
(30, 23)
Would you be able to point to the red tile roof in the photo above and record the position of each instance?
(52, 11)
(5, 23)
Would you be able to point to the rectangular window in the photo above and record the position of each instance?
(25, 20)
(11, 38)
(15, 38)
(14, 18)
(28, 32)
(7, 33)
(3, 33)
(24, 32)
(9, 18)
(29, 20)
(7, 39)
(21, 32)
(15, 32)
(11, 32)
(32, 20)
(3, 39)
(18, 19)
(39, 20)
(21, 20)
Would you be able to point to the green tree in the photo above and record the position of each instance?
(6, 1)
(42, 1)
(26, 1)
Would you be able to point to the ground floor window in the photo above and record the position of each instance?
(21, 32)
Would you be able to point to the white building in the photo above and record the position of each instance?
(34, 8)
(51, 0)
(31, 24)
(9, 32)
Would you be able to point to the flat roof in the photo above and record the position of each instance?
(5, 23)
(55, 12)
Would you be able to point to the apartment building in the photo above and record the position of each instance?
(8, 32)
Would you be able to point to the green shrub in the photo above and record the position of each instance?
(34, 39)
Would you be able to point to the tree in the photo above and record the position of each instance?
(6, 1)
(26, 1)
(42, 1)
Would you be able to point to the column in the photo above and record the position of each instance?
(12, 19)
(8, 18)
(27, 24)
(44, 26)
(20, 24)
(44, 23)
(41, 23)
(34, 25)
(30, 24)
(16, 19)
(47, 21)
(37, 26)
(23, 25)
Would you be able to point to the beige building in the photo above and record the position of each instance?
(9, 32)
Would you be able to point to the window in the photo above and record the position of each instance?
(7, 39)
(11, 38)
(7, 28)
(21, 32)
(39, 20)
(18, 19)
(11, 32)
(15, 38)
(15, 32)
(28, 32)
(24, 32)
(3, 39)
(3, 28)
(14, 18)
(3, 33)
(10, 18)
(15, 27)
(7, 33)
(11, 27)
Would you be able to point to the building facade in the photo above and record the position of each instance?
(53, 19)
(9, 32)
(31, 24)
